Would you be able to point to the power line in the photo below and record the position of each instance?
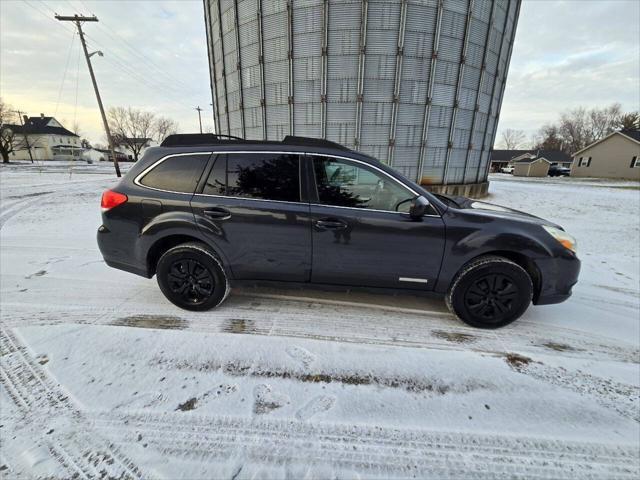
(132, 50)
(166, 89)
(45, 15)
(159, 83)
(167, 86)
(148, 81)
(64, 76)
(108, 30)
(78, 21)
(132, 73)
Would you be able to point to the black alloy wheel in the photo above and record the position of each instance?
(192, 277)
(490, 292)
(491, 297)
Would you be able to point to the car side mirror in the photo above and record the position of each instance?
(419, 207)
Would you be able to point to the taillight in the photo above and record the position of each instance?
(112, 199)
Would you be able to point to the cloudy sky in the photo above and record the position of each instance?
(567, 54)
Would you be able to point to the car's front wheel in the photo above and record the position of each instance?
(192, 277)
(490, 292)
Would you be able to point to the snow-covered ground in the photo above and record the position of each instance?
(101, 377)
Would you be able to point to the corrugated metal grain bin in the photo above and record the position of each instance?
(416, 83)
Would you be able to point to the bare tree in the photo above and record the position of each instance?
(14, 135)
(165, 127)
(26, 143)
(580, 127)
(512, 139)
(629, 121)
(604, 121)
(548, 138)
(575, 130)
(7, 134)
(131, 128)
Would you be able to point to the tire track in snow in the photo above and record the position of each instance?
(371, 450)
(323, 321)
(15, 208)
(10, 210)
(41, 400)
(622, 398)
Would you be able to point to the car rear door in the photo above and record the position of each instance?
(250, 206)
(362, 234)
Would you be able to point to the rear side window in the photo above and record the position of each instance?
(265, 176)
(176, 174)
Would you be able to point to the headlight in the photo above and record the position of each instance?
(566, 240)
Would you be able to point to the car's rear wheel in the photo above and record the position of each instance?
(490, 292)
(192, 277)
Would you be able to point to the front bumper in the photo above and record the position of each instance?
(558, 275)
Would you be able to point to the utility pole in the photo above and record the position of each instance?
(24, 133)
(199, 117)
(78, 20)
(213, 115)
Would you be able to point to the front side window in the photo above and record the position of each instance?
(264, 176)
(176, 174)
(346, 184)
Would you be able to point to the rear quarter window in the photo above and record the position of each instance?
(176, 174)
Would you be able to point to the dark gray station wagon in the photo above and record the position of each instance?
(205, 212)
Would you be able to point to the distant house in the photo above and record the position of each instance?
(615, 156)
(104, 154)
(502, 158)
(529, 165)
(45, 138)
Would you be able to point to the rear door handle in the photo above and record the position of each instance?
(330, 224)
(218, 213)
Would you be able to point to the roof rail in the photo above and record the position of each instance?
(186, 139)
(314, 142)
(197, 139)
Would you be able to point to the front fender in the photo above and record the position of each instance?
(467, 240)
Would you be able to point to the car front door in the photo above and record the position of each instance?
(362, 232)
(250, 207)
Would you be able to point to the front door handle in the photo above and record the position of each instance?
(330, 224)
(218, 213)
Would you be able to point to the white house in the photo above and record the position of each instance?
(44, 138)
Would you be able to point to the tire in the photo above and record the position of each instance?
(490, 292)
(192, 277)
